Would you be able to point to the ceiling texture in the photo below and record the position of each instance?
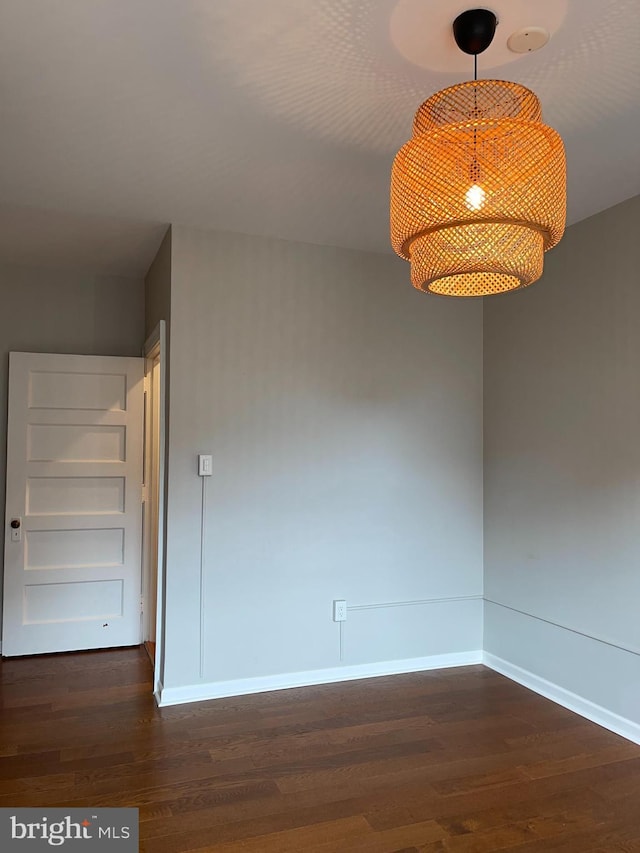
(272, 117)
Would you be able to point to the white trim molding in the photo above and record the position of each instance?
(156, 347)
(414, 602)
(606, 641)
(262, 684)
(578, 704)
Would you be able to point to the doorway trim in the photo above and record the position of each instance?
(155, 349)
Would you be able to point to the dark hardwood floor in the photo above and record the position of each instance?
(459, 759)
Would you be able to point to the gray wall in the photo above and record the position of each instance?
(64, 312)
(562, 466)
(157, 287)
(343, 410)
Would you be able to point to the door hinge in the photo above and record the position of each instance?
(141, 604)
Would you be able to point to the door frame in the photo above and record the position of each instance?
(155, 348)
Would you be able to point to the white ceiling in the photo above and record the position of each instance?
(275, 117)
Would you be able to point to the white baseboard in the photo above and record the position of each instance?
(262, 684)
(596, 713)
(157, 693)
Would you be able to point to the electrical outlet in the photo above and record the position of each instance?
(205, 465)
(340, 610)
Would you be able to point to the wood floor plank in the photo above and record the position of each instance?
(334, 832)
(450, 760)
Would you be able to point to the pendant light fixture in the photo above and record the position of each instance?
(479, 193)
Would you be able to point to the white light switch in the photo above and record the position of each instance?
(205, 465)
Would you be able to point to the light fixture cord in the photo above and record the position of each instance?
(475, 172)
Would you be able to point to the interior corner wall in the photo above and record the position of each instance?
(63, 312)
(343, 410)
(562, 469)
(157, 288)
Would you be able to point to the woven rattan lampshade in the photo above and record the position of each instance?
(479, 193)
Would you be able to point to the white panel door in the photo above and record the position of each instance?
(74, 494)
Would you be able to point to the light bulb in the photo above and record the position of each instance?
(475, 197)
